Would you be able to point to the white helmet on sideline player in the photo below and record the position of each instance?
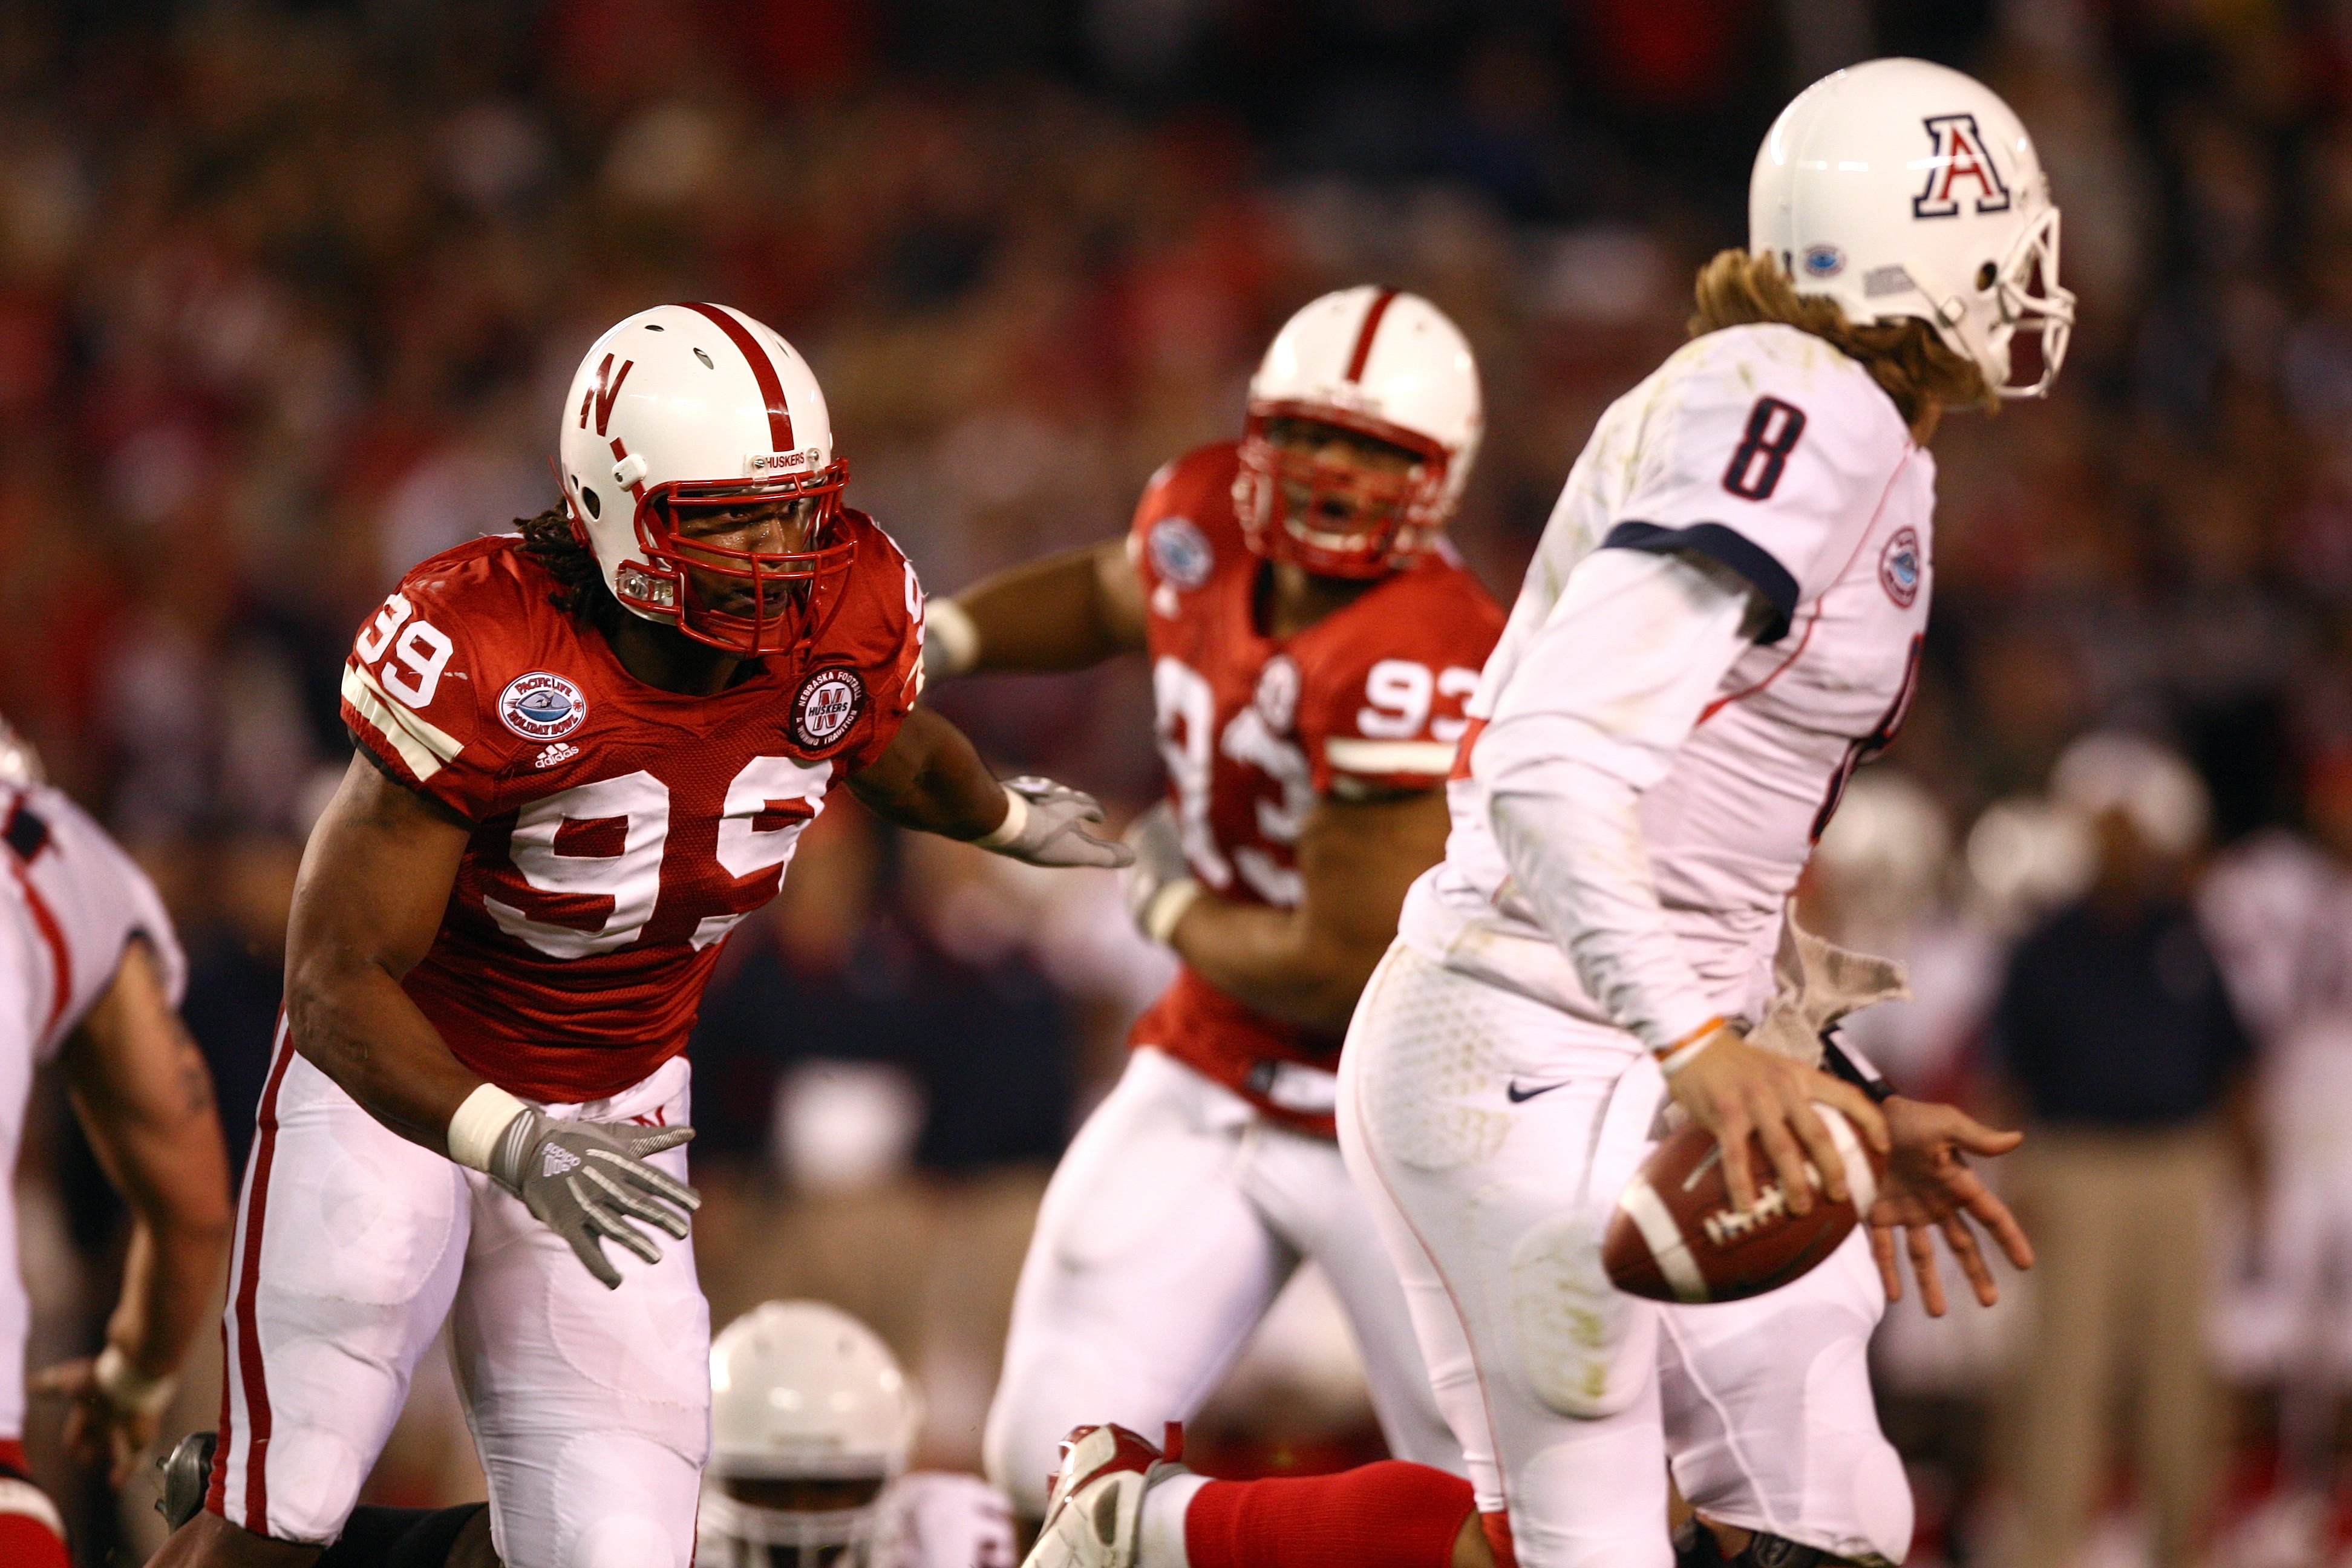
(1380, 363)
(694, 409)
(1902, 188)
(19, 763)
(810, 1415)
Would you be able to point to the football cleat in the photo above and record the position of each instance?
(187, 1476)
(1094, 1510)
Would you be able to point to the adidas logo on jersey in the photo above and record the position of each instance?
(559, 753)
(558, 1160)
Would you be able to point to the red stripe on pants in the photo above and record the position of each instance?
(248, 1342)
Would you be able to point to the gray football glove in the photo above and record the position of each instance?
(588, 1178)
(1051, 829)
(1160, 886)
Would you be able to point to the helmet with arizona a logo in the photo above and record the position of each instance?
(685, 412)
(1374, 363)
(1901, 188)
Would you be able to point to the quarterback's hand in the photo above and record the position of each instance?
(1733, 1088)
(101, 1427)
(1929, 1187)
(1159, 887)
(588, 1178)
(1046, 825)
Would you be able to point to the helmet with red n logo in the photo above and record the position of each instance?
(687, 414)
(1377, 365)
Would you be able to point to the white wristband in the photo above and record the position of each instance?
(1682, 1056)
(474, 1131)
(128, 1388)
(1017, 817)
(1167, 906)
(948, 628)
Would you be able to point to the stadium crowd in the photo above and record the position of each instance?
(287, 294)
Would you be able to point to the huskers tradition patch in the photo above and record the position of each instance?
(829, 703)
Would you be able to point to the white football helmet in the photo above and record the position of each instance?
(1901, 188)
(19, 763)
(802, 1393)
(687, 409)
(1384, 365)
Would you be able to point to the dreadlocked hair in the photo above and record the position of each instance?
(548, 539)
(1910, 362)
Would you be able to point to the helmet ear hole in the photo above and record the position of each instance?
(1986, 274)
(588, 498)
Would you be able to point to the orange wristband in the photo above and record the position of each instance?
(1676, 1055)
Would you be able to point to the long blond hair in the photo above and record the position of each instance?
(1915, 367)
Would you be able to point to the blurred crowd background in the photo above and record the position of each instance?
(288, 293)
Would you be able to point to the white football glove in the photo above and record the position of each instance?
(588, 1178)
(1046, 825)
(1159, 887)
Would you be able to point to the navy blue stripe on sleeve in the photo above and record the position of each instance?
(1727, 546)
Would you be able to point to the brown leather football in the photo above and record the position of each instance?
(1675, 1236)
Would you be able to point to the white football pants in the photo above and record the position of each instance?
(1491, 1134)
(1174, 1220)
(591, 1408)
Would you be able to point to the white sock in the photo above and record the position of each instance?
(1160, 1542)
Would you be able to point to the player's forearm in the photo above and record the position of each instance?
(1052, 614)
(169, 1275)
(1595, 715)
(351, 1021)
(930, 779)
(1272, 961)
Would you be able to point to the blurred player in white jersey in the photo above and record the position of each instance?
(1723, 619)
(811, 1423)
(89, 976)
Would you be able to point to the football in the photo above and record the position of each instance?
(1676, 1236)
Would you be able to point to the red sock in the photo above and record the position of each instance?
(1389, 1515)
(26, 1540)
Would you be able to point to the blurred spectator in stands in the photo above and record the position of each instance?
(2116, 1030)
(2278, 909)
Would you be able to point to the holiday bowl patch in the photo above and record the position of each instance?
(1899, 567)
(828, 704)
(1179, 552)
(542, 707)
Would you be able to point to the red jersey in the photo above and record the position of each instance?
(621, 831)
(1255, 729)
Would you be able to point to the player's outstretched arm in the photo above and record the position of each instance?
(1065, 610)
(145, 1099)
(930, 778)
(1306, 965)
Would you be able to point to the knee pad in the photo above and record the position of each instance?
(1587, 1349)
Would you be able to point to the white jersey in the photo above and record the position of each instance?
(1765, 451)
(2278, 912)
(932, 1519)
(69, 903)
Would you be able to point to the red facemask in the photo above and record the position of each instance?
(1336, 518)
(766, 601)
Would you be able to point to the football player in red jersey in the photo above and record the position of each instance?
(585, 754)
(1311, 642)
